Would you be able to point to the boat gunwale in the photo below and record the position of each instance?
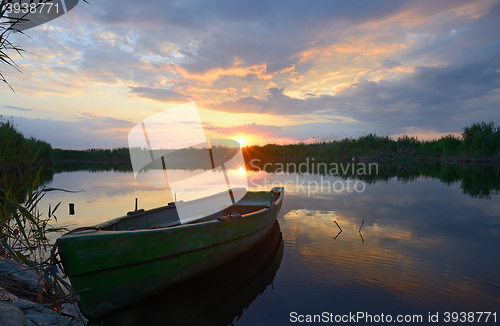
(99, 231)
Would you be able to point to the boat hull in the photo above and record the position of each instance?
(115, 269)
(214, 298)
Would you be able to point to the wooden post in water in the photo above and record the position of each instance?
(71, 209)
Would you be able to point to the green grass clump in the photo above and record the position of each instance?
(23, 229)
(18, 153)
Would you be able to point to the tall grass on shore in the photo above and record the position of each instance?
(480, 140)
(23, 238)
(23, 228)
(18, 153)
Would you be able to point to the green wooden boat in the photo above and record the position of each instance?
(126, 260)
(215, 298)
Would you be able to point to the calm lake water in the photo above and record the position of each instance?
(429, 243)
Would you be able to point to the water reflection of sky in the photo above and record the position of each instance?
(427, 246)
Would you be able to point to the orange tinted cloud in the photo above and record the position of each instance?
(212, 75)
(365, 46)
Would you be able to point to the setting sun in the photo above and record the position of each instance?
(241, 140)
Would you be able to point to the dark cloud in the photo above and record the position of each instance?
(430, 97)
(158, 94)
(87, 132)
(322, 131)
(94, 122)
(389, 63)
(250, 129)
(275, 103)
(427, 98)
(16, 108)
(210, 34)
(110, 65)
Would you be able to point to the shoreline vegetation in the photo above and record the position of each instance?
(28, 278)
(479, 142)
(19, 154)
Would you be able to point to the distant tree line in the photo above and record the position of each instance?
(92, 155)
(480, 140)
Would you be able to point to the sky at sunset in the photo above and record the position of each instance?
(262, 71)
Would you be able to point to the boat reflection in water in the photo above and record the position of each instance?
(214, 298)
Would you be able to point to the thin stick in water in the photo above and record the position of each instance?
(339, 229)
(361, 225)
(338, 226)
